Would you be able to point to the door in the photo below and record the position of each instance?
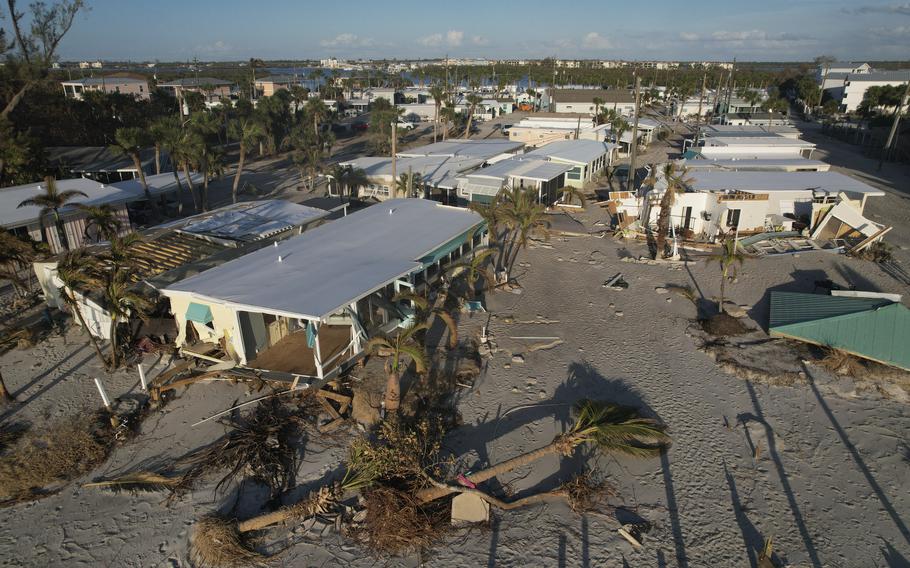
(687, 219)
(733, 217)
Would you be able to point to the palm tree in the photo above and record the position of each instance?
(473, 269)
(396, 350)
(169, 135)
(610, 428)
(409, 185)
(472, 100)
(157, 131)
(315, 76)
(248, 132)
(204, 125)
(103, 219)
(439, 96)
(348, 178)
(677, 182)
(15, 254)
(524, 217)
(533, 95)
(317, 111)
(121, 302)
(449, 116)
(77, 270)
(425, 313)
(598, 102)
(50, 202)
(728, 257)
(129, 142)
(187, 154)
(569, 193)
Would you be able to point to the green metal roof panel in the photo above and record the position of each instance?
(788, 308)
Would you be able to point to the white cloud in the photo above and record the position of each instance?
(454, 37)
(594, 40)
(432, 40)
(689, 36)
(217, 47)
(739, 36)
(899, 31)
(480, 40)
(902, 9)
(347, 40)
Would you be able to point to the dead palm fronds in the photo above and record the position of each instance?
(841, 363)
(217, 543)
(136, 482)
(609, 427)
(586, 493)
(398, 523)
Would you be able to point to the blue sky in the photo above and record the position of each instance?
(605, 29)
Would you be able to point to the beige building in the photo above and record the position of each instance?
(268, 86)
(213, 89)
(74, 89)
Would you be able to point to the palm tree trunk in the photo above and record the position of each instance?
(432, 493)
(663, 222)
(71, 300)
(61, 231)
(723, 283)
(393, 392)
(467, 127)
(137, 163)
(5, 396)
(179, 191)
(189, 183)
(157, 159)
(115, 362)
(239, 171)
(436, 124)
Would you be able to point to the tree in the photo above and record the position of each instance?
(248, 132)
(598, 102)
(16, 254)
(77, 272)
(382, 116)
(473, 269)
(409, 185)
(439, 95)
(169, 133)
(317, 111)
(50, 202)
(676, 182)
(348, 178)
(205, 126)
(397, 350)
(472, 100)
(610, 428)
(101, 220)
(187, 154)
(449, 115)
(129, 142)
(728, 257)
(121, 302)
(34, 50)
(524, 217)
(568, 193)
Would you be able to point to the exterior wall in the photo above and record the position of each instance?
(138, 89)
(539, 136)
(268, 88)
(224, 322)
(588, 107)
(854, 91)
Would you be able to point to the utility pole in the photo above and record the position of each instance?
(630, 182)
(392, 189)
(897, 119)
(701, 100)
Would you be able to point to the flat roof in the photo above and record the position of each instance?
(745, 130)
(252, 220)
(580, 151)
(11, 215)
(195, 82)
(536, 169)
(465, 148)
(762, 182)
(759, 164)
(333, 265)
(102, 80)
(609, 96)
(432, 169)
(772, 141)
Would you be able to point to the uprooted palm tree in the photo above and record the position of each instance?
(610, 428)
(397, 350)
(728, 258)
(77, 272)
(50, 202)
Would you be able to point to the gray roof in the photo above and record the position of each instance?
(439, 171)
(195, 82)
(333, 265)
(485, 149)
(880, 76)
(95, 159)
(762, 182)
(103, 81)
(747, 140)
(758, 164)
(252, 220)
(11, 215)
(579, 151)
(280, 79)
(527, 168)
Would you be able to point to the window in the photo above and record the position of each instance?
(574, 173)
(733, 217)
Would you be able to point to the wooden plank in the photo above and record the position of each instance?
(340, 398)
(329, 408)
(168, 374)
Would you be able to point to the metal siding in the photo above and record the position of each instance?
(793, 307)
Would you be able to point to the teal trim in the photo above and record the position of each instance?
(481, 198)
(789, 308)
(691, 155)
(199, 313)
(310, 334)
(451, 245)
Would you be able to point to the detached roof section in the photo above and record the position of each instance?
(870, 328)
(253, 220)
(761, 182)
(331, 266)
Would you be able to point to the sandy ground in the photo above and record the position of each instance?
(828, 481)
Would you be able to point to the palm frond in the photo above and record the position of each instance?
(409, 296)
(616, 428)
(447, 318)
(135, 482)
(417, 355)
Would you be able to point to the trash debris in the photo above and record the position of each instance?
(616, 283)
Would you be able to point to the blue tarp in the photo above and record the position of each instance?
(199, 313)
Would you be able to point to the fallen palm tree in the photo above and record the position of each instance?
(609, 427)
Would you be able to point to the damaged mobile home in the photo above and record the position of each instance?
(304, 309)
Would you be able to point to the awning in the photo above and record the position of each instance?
(199, 313)
(450, 246)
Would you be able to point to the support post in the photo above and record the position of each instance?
(104, 397)
(317, 352)
(142, 380)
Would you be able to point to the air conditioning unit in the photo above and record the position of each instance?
(706, 215)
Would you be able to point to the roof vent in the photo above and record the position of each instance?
(391, 211)
(276, 244)
(280, 259)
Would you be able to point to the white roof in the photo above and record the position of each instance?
(578, 151)
(435, 170)
(741, 130)
(533, 169)
(759, 164)
(333, 265)
(11, 215)
(252, 220)
(464, 148)
(774, 141)
(763, 182)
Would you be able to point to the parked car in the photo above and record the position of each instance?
(360, 126)
(406, 125)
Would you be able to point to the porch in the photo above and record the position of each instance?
(298, 352)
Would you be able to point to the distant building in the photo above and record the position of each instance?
(849, 89)
(213, 89)
(74, 89)
(582, 100)
(268, 86)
